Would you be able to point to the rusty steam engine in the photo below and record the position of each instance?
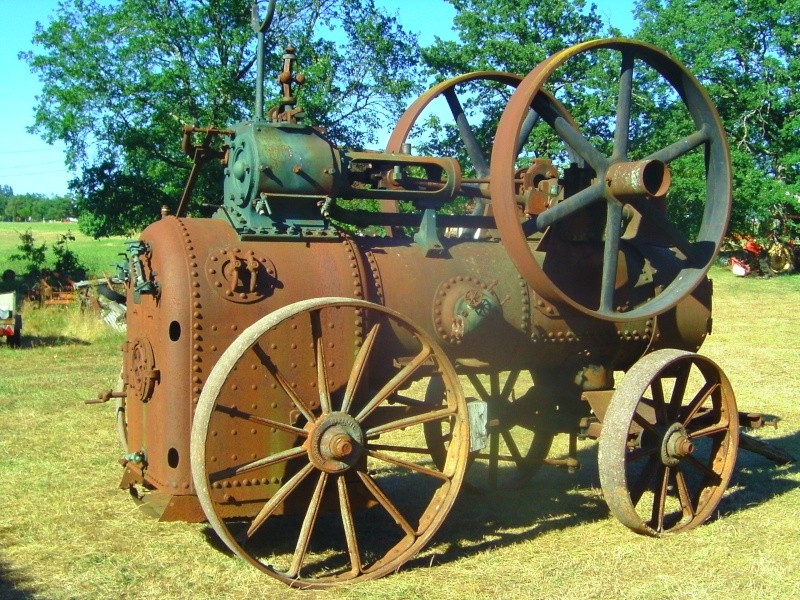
(301, 386)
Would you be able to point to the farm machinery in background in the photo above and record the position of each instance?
(10, 319)
(300, 387)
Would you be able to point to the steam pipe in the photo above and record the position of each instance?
(260, 27)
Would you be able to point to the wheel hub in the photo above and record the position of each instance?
(336, 443)
(676, 445)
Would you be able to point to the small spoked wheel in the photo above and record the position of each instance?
(668, 444)
(309, 461)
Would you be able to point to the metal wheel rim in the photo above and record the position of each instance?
(414, 538)
(629, 472)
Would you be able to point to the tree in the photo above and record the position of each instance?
(31, 252)
(747, 55)
(508, 35)
(36, 207)
(121, 78)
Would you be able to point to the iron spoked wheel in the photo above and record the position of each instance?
(512, 427)
(668, 444)
(628, 192)
(326, 466)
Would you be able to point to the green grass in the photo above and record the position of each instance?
(99, 256)
(66, 531)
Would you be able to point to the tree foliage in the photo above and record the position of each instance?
(67, 264)
(747, 55)
(500, 35)
(121, 78)
(508, 35)
(34, 207)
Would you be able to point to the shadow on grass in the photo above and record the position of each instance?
(758, 479)
(33, 341)
(11, 582)
(485, 518)
(554, 500)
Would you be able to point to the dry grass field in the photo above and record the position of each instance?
(66, 531)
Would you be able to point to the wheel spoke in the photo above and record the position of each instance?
(639, 453)
(467, 135)
(698, 401)
(610, 257)
(513, 450)
(437, 415)
(570, 134)
(659, 404)
(660, 499)
(308, 526)
(349, 525)
(479, 387)
(494, 385)
(712, 475)
(408, 465)
(637, 488)
(395, 382)
(508, 386)
(624, 107)
(359, 367)
(272, 459)
(684, 496)
(563, 209)
(319, 352)
(682, 147)
(409, 402)
(494, 456)
(711, 430)
(679, 390)
(384, 501)
(234, 412)
(642, 421)
(284, 383)
(531, 119)
(406, 449)
(278, 498)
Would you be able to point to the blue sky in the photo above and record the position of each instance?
(29, 165)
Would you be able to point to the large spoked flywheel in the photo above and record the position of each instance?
(308, 460)
(640, 160)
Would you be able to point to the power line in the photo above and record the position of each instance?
(2, 177)
(10, 171)
(42, 150)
